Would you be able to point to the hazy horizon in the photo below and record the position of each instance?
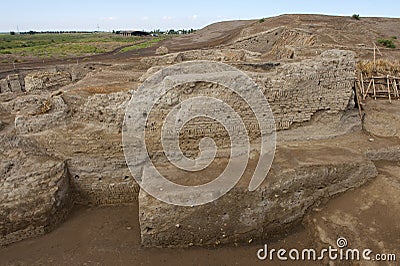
(150, 15)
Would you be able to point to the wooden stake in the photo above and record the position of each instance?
(362, 83)
(374, 56)
(375, 48)
(396, 92)
(358, 100)
(388, 88)
(366, 93)
(373, 86)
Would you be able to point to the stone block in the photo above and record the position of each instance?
(300, 178)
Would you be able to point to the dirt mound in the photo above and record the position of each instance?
(281, 41)
(289, 36)
(212, 35)
(331, 29)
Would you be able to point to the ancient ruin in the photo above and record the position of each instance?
(296, 93)
(61, 140)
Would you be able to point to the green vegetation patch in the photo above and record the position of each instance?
(387, 43)
(60, 45)
(142, 45)
(65, 49)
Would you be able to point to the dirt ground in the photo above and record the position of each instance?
(111, 235)
(367, 216)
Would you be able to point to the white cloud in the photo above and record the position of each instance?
(166, 18)
(194, 17)
(145, 18)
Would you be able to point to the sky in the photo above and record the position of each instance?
(169, 14)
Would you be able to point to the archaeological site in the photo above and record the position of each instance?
(75, 164)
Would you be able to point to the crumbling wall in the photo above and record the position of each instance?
(224, 55)
(95, 158)
(297, 91)
(12, 83)
(48, 113)
(298, 180)
(46, 80)
(84, 133)
(105, 109)
(49, 79)
(34, 190)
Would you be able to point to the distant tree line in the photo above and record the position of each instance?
(158, 31)
(32, 32)
(183, 31)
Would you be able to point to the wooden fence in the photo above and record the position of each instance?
(378, 87)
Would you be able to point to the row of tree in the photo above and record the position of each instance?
(31, 32)
(172, 31)
(158, 31)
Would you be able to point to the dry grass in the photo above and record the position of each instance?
(382, 67)
(107, 89)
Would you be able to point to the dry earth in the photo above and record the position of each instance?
(367, 216)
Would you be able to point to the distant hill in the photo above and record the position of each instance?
(289, 36)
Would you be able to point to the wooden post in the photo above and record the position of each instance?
(358, 99)
(388, 88)
(362, 83)
(376, 48)
(373, 86)
(366, 92)
(374, 56)
(396, 92)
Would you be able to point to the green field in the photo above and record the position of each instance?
(69, 44)
(142, 45)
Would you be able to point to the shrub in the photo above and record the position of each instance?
(387, 43)
(356, 16)
(394, 37)
(261, 20)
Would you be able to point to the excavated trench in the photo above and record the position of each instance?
(77, 142)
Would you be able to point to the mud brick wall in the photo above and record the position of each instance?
(295, 92)
(46, 80)
(33, 199)
(12, 83)
(32, 203)
(199, 127)
(89, 192)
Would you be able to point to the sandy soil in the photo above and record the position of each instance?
(111, 235)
